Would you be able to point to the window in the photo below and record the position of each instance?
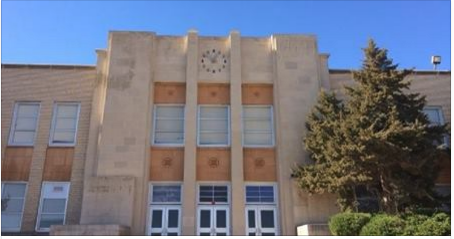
(258, 126)
(214, 126)
(260, 194)
(13, 198)
(64, 124)
(213, 194)
(164, 210)
(168, 125)
(166, 194)
(435, 116)
(52, 205)
(24, 123)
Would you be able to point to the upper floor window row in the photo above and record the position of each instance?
(63, 126)
(213, 125)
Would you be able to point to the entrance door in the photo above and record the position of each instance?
(213, 221)
(261, 221)
(164, 221)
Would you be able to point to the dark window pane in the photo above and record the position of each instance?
(172, 218)
(252, 199)
(266, 189)
(172, 234)
(251, 234)
(267, 218)
(51, 219)
(268, 234)
(156, 219)
(251, 218)
(221, 218)
(205, 219)
(155, 234)
(206, 188)
(205, 234)
(220, 188)
(221, 234)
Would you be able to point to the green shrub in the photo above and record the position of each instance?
(383, 225)
(413, 222)
(438, 225)
(348, 224)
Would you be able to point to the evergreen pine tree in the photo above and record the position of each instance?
(378, 138)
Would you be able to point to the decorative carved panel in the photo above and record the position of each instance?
(257, 94)
(166, 164)
(259, 164)
(213, 93)
(169, 93)
(213, 164)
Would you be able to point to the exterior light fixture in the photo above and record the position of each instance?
(436, 60)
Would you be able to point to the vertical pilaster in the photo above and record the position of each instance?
(238, 216)
(189, 183)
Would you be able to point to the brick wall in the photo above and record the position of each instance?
(47, 84)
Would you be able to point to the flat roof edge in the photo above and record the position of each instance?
(48, 66)
(416, 72)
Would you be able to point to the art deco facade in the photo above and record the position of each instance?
(170, 135)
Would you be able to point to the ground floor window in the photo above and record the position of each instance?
(165, 210)
(261, 210)
(13, 198)
(52, 205)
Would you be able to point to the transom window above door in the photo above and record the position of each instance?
(166, 194)
(260, 194)
(217, 194)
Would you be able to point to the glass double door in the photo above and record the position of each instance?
(213, 221)
(164, 220)
(261, 221)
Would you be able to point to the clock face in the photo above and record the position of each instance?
(213, 61)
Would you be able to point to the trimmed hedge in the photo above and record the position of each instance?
(413, 223)
(384, 225)
(363, 224)
(438, 225)
(348, 224)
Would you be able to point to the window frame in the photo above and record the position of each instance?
(40, 206)
(153, 132)
(243, 132)
(14, 119)
(275, 193)
(228, 126)
(165, 183)
(439, 109)
(214, 183)
(53, 122)
(23, 206)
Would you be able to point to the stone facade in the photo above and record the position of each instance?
(115, 160)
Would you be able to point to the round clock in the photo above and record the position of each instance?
(213, 61)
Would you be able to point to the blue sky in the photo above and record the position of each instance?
(68, 32)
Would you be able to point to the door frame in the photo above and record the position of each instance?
(213, 209)
(258, 219)
(165, 208)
